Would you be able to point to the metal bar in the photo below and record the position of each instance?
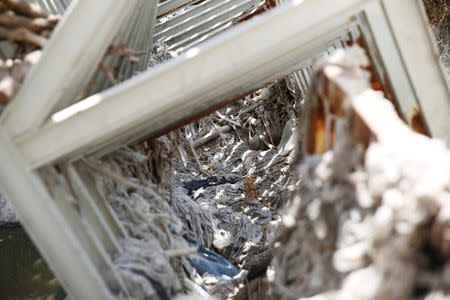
(200, 37)
(100, 200)
(195, 82)
(43, 4)
(136, 35)
(198, 14)
(57, 4)
(204, 6)
(282, 2)
(45, 224)
(384, 46)
(77, 216)
(410, 28)
(143, 38)
(71, 56)
(170, 5)
(95, 212)
(152, 20)
(113, 62)
(211, 24)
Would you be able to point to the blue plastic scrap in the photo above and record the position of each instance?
(208, 262)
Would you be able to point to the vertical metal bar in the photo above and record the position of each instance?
(92, 209)
(409, 25)
(136, 35)
(78, 218)
(48, 228)
(107, 225)
(387, 57)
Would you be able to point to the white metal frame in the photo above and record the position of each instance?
(78, 243)
(419, 55)
(228, 65)
(70, 58)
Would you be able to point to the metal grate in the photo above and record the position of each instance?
(137, 35)
(194, 24)
(53, 6)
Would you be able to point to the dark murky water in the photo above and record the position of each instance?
(23, 272)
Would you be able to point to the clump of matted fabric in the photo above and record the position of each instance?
(135, 180)
(365, 225)
(176, 193)
(240, 176)
(215, 183)
(165, 226)
(236, 168)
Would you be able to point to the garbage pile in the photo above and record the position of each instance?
(357, 215)
(369, 217)
(204, 199)
(209, 200)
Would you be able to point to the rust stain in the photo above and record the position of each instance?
(417, 123)
(250, 188)
(268, 4)
(271, 3)
(316, 134)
